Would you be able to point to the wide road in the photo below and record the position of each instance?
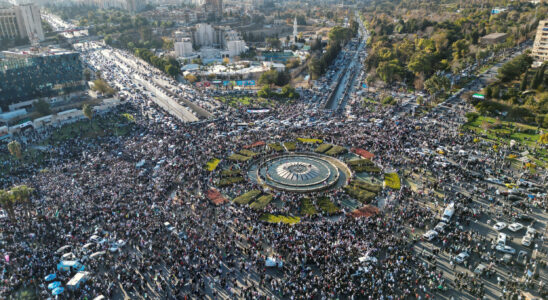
(349, 74)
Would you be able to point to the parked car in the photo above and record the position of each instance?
(505, 249)
(526, 240)
(499, 226)
(461, 257)
(515, 227)
(430, 235)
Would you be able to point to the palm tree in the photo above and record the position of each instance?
(21, 194)
(15, 149)
(6, 201)
(88, 111)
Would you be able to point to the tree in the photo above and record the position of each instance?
(7, 203)
(42, 107)
(88, 111)
(14, 147)
(421, 62)
(539, 77)
(514, 68)
(87, 74)
(102, 86)
(544, 138)
(460, 49)
(265, 92)
(436, 85)
(269, 77)
(22, 194)
(523, 84)
(191, 78)
(388, 71)
(171, 70)
(282, 78)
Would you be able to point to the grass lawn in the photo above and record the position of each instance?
(327, 206)
(503, 132)
(247, 197)
(269, 218)
(118, 125)
(261, 202)
(212, 164)
(307, 207)
(290, 146)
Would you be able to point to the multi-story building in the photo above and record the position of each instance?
(25, 77)
(21, 21)
(206, 36)
(540, 46)
(183, 47)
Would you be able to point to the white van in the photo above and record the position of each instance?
(501, 239)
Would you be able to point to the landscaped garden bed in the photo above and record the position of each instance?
(231, 173)
(270, 218)
(247, 197)
(362, 191)
(276, 147)
(336, 150)
(230, 181)
(212, 164)
(363, 165)
(290, 146)
(248, 153)
(261, 202)
(307, 207)
(323, 148)
(327, 206)
(239, 157)
(392, 180)
(309, 141)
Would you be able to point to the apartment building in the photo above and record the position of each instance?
(540, 47)
(22, 21)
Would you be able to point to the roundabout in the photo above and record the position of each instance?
(299, 172)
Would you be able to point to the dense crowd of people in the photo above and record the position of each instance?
(124, 189)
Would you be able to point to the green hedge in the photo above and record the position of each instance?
(247, 197)
(230, 180)
(327, 206)
(261, 202)
(322, 148)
